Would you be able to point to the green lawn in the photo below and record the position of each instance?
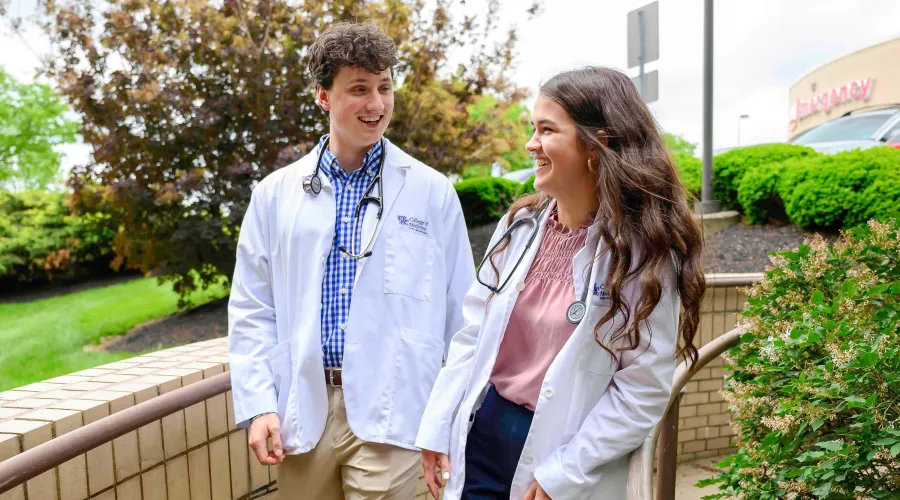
(44, 338)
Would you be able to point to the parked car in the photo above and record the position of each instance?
(855, 130)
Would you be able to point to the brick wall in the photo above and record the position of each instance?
(704, 428)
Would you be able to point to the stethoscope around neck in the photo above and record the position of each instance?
(312, 184)
(576, 310)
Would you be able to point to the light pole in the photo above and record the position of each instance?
(742, 117)
(707, 204)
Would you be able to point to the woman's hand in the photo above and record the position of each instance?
(432, 460)
(535, 492)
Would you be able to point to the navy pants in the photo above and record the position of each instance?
(494, 446)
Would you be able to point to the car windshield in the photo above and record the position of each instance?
(848, 128)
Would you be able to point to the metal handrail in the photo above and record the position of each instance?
(667, 430)
(34, 462)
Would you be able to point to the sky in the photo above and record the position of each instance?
(761, 47)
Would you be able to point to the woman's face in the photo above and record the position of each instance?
(561, 160)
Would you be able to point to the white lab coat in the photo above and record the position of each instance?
(406, 305)
(591, 413)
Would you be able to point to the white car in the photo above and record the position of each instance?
(855, 130)
(519, 175)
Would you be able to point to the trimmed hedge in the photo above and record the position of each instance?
(730, 167)
(527, 186)
(40, 240)
(824, 191)
(690, 171)
(485, 199)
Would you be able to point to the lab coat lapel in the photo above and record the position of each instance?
(396, 163)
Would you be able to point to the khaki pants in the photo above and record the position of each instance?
(344, 466)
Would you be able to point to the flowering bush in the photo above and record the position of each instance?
(815, 387)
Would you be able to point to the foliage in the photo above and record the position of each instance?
(843, 190)
(188, 104)
(527, 186)
(677, 144)
(690, 172)
(730, 167)
(45, 338)
(512, 122)
(485, 199)
(816, 382)
(824, 191)
(41, 240)
(32, 123)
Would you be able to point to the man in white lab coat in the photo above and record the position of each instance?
(352, 264)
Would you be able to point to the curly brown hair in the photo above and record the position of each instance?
(344, 44)
(641, 197)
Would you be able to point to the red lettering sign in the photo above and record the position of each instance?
(854, 91)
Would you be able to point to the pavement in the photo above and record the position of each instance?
(689, 473)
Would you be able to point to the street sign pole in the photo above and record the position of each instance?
(643, 50)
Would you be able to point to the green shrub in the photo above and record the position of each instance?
(690, 171)
(816, 377)
(842, 190)
(730, 167)
(41, 240)
(485, 199)
(527, 186)
(758, 193)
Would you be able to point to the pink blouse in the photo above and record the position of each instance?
(538, 328)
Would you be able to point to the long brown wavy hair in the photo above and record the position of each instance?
(640, 197)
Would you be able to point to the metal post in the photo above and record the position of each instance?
(667, 452)
(706, 194)
(641, 31)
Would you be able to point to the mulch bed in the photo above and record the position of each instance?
(738, 249)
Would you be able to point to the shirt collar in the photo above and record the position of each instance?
(371, 160)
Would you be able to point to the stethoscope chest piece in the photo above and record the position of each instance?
(312, 184)
(575, 312)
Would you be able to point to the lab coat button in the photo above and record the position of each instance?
(548, 393)
(529, 459)
(520, 286)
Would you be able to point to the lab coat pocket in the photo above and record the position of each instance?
(408, 264)
(280, 362)
(416, 368)
(588, 389)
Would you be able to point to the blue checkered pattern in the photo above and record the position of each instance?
(340, 270)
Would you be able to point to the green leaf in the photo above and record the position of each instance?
(895, 450)
(848, 288)
(822, 491)
(831, 445)
(818, 298)
(886, 441)
(818, 423)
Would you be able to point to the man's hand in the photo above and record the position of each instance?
(261, 430)
(535, 492)
(432, 460)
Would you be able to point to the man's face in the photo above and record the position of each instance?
(360, 105)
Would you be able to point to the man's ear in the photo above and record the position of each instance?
(322, 98)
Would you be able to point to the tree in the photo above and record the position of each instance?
(32, 124)
(677, 144)
(189, 103)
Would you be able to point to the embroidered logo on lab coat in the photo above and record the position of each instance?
(417, 225)
(600, 291)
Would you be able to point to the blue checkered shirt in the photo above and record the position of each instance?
(340, 270)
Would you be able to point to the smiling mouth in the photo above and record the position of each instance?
(541, 162)
(371, 120)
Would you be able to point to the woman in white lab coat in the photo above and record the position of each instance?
(591, 289)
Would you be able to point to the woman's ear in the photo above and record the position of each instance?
(603, 137)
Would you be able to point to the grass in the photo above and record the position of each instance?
(45, 338)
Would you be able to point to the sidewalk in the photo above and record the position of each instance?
(689, 473)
